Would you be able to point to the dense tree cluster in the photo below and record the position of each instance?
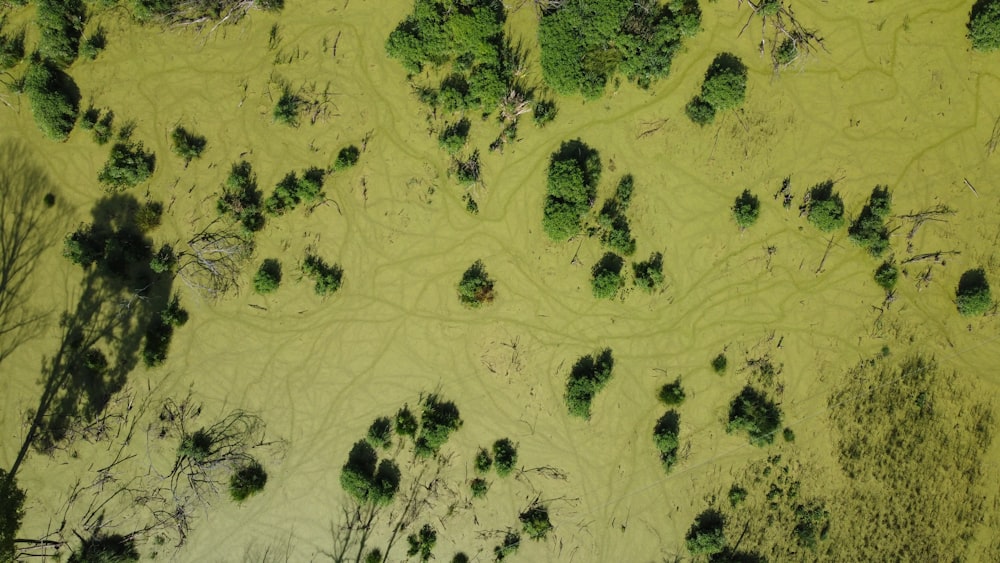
(724, 88)
(572, 185)
(585, 44)
(60, 25)
(368, 480)
(589, 375)
(327, 277)
(869, 231)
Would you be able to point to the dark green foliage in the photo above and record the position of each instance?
(60, 23)
(606, 276)
(11, 514)
(380, 433)
(93, 45)
(825, 209)
(725, 82)
(460, 558)
(374, 556)
(583, 45)
(405, 423)
(535, 522)
(812, 521)
(752, 412)
(293, 190)
(768, 7)
(887, 275)
(101, 548)
(328, 277)
(484, 461)
(11, 49)
(54, 99)
(422, 543)
(746, 209)
(665, 436)
(788, 434)
(453, 138)
(186, 144)
(247, 481)
(615, 231)
(88, 119)
(128, 165)
(737, 495)
(706, 536)
(479, 487)
(649, 274)
(589, 375)
(511, 541)
(699, 111)
(672, 393)
(719, 363)
(467, 171)
(197, 446)
(869, 231)
(505, 455)
(346, 158)
(476, 287)
(160, 332)
(148, 216)
(973, 294)
(470, 204)
(786, 52)
(367, 480)
(286, 111)
(49, 199)
(572, 185)
(104, 128)
(268, 277)
(984, 25)
(438, 419)
(240, 199)
(544, 112)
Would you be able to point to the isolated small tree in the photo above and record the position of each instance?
(511, 541)
(346, 158)
(665, 436)
(240, 199)
(887, 275)
(868, 230)
(544, 112)
(719, 363)
(589, 375)
(707, 535)
(699, 111)
(268, 277)
(672, 393)
(476, 287)
(535, 521)
(422, 543)
(752, 412)
(483, 461)
(406, 423)
(454, 136)
(247, 481)
(479, 487)
(725, 82)
(505, 456)
(187, 145)
(380, 433)
(101, 548)
(973, 294)
(128, 165)
(825, 209)
(984, 25)
(438, 420)
(286, 110)
(606, 277)
(746, 209)
(649, 274)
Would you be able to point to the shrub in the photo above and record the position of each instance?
(196, 446)
(268, 277)
(453, 138)
(104, 128)
(752, 412)
(672, 393)
(737, 495)
(746, 209)
(53, 97)
(374, 556)
(11, 49)
(164, 260)
(665, 436)
(367, 480)
(811, 524)
(240, 199)
(606, 276)
(93, 45)
(467, 171)
(973, 294)
(148, 216)
(544, 112)
(438, 419)
(101, 548)
(786, 52)
(725, 82)
(572, 184)
(380, 433)
(476, 287)
(649, 274)
(825, 209)
(535, 522)
(699, 111)
(247, 481)
(479, 487)
(88, 119)
(160, 332)
(505, 454)
(868, 230)
(422, 543)
(984, 25)
(719, 363)
(187, 145)
(405, 423)
(128, 165)
(286, 111)
(346, 158)
(788, 434)
(706, 536)
(887, 275)
(328, 278)
(616, 233)
(589, 375)
(511, 541)
(483, 461)
(293, 190)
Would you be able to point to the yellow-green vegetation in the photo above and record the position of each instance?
(54, 98)
(504, 456)
(869, 230)
(672, 394)
(746, 209)
(535, 521)
(327, 278)
(648, 274)
(247, 481)
(825, 208)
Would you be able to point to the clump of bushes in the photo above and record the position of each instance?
(94, 44)
(707, 534)
(887, 275)
(746, 209)
(589, 375)
(483, 461)
(869, 231)
(148, 216)
(984, 25)
(186, 144)
(505, 456)
(479, 487)
(825, 209)
(615, 231)
(672, 394)
(422, 543)
(786, 52)
(268, 277)
(606, 276)
(380, 433)
(665, 436)
(53, 97)
(368, 480)
(327, 277)
(648, 274)
(572, 185)
(535, 521)
(240, 199)
(438, 419)
(724, 88)
(467, 171)
(247, 481)
(346, 158)
(973, 294)
(405, 422)
(454, 136)
(737, 495)
(293, 190)
(752, 412)
(476, 287)
(128, 165)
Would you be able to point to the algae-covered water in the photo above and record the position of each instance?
(896, 97)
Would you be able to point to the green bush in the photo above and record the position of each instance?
(869, 231)
(367, 480)
(286, 110)
(649, 274)
(104, 128)
(719, 363)
(544, 112)
(476, 287)
(665, 436)
(438, 419)
(380, 433)
(148, 216)
(467, 171)
(725, 82)
(160, 332)
(422, 543)
(479, 487)
(973, 294)
(53, 97)
(511, 541)
(786, 52)
(11, 514)
(768, 7)
(574, 171)
(328, 278)
(101, 548)
(672, 393)
(825, 209)
(589, 375)
(60, 24)
(984, 25)
(187, 145)
(699, 111)
(453, 138)
(11, 49)
(128, 165)
(535, 522)
(737, 495)
(240, 199)
(606, 276)
(405, 423)
(197, 446)
(746, 209)
(752, 412)
(293, 190)
(484, 461)
(247, 481)
(94, 44)
(707, 535)
(268, 277)
(616, 233)
(788, 434)
(346, 158)
(812, 522)
(505, 456)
